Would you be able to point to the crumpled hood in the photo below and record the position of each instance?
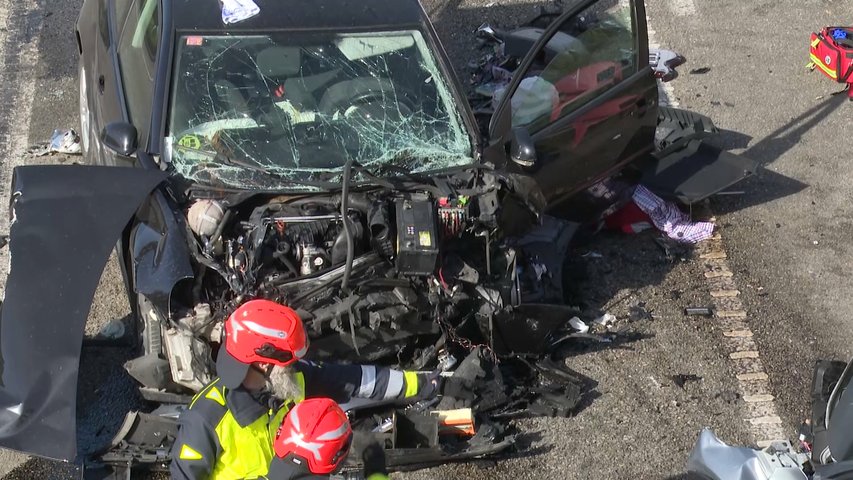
(65, 222)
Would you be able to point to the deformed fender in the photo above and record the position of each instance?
(159, 250)
(65, 222)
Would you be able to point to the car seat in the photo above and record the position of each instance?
(283, 66)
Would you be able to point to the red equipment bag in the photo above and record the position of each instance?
(831, 51)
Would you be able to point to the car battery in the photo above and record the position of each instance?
(417, 239)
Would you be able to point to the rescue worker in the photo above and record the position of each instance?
(314, 440)
(226, 431)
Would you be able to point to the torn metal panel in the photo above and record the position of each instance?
(66, 220)
(695, 172)
(715, 460)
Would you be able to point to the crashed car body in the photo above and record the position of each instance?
(824, 450)
(323, 156)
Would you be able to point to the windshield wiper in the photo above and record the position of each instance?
(378, 180)
(328, 186)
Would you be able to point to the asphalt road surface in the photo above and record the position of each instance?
(786, 238)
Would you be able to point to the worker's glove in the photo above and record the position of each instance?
(429, 385)
(373, 457)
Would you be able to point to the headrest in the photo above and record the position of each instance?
(280, 61)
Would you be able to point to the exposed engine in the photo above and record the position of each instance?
(437, 271)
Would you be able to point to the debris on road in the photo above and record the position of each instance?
(578, 324)
(682, 379)
(664, 63)
(713, 459)
(669, 219)
(605, 320)
(114, 329)
(647, 209)
(699, 311)
(639, 312)
(824, 445)
(699, 71)
(629, 219)
(62, 141)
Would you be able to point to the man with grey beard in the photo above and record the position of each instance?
(226, 432)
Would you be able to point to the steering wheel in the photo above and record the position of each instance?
(372, 98)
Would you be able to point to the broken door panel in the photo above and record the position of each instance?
(677, 127)
(695, 172)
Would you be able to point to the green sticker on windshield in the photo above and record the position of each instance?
(190, 141)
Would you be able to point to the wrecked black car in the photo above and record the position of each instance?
(325, 157)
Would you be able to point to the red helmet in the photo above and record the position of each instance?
(259, 331)
(314, 436)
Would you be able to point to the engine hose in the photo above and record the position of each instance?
(282, 257)
(209, 263)
(347, 227)
(219, 228)
(202, 269)
(357, 201)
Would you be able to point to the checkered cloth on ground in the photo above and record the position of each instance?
(670, 219)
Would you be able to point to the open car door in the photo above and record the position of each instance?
(66, 219)
(582, 104)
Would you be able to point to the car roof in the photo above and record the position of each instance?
(205, 15)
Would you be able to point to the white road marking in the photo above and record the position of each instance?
(759, 406)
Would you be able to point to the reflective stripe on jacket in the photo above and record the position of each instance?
(226, 435)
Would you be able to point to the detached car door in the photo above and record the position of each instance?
(585, 95)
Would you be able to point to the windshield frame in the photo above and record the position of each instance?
(460, 105)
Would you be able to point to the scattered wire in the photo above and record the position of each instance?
(450, 332)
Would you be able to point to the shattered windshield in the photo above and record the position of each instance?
(262, 111)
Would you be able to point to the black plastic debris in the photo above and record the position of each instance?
(531, 329)
(681, 379)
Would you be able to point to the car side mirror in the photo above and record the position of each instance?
(522, 151)
(120, 137)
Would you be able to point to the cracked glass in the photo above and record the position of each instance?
(287, 110)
